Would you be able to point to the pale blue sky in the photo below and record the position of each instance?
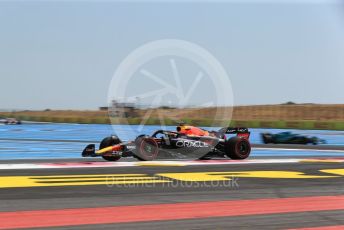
(63, 54)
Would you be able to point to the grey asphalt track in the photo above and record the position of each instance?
(38, 198)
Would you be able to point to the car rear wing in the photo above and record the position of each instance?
(239, 131)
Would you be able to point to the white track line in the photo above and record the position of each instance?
(68, 165)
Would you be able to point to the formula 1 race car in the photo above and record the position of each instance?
(290, 138)
(10, 121)
(186, 142)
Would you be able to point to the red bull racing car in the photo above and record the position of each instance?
(186, 142)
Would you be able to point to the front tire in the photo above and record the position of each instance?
(314, 140)
(147, 148)
(110, 141)
(237, 148)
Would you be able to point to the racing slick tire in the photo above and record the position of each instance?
(237, 148)
(147, 148)
(314, 140)
(110, 141)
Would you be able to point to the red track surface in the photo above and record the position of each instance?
(160, 212)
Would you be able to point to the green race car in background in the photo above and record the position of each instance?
(290, 138)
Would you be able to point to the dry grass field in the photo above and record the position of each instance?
(280, 116)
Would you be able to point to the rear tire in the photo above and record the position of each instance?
(267, 138)
(147, 148)
(237, 148)
(110, 141)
